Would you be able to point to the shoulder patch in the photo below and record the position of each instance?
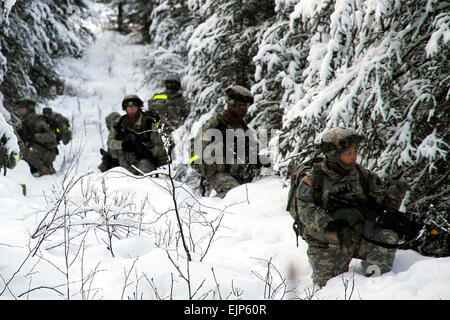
(305, 190)
(308, 181)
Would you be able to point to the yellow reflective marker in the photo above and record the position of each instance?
(57, 130)
(194, 158)
(70, 129)
(160, 97)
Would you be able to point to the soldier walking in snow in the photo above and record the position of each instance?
(334, 237)
(170, 105)
(135, 139)
(38, 144)
(221, 175)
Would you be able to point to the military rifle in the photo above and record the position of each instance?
(144, 147)
(381, 216)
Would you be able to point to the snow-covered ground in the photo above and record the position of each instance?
(242, 246)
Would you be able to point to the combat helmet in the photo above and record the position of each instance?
(172, 83)
(339, 138)
(132, 100)
(110, 118)
(336, 141)
(47, 111)
(27, 103)
(238, 95)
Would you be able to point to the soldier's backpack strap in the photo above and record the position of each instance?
(317, 181)
(298, 172)
(296, 175)
(119, 131)
(293, 189)
(292, 201)
(363, 180)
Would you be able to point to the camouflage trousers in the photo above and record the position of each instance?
(129, 161)
(38, 157)
(330, 261)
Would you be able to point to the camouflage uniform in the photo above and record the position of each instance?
(38, 144)
(335, 238)
(110, 158)
(135, 141)
(59, 124)
(170, 105)
(223, 177)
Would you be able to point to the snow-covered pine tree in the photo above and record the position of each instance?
(278, 66)
(34, 35)
(172, 24)
(137, 13)
(161, 22)
(165, 26)
(221, 49)
(6, 131)
(381, 67)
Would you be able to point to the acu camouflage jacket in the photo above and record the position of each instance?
(35, 129)
(145, 129)
(205, 162)
(307, 205)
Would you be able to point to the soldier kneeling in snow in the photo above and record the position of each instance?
(336, 236)
(38, 144)
(220, 175)
(135, 139)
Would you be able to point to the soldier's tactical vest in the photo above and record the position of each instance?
(318, 178)
(240, 172)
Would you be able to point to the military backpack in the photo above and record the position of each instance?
(61, 126)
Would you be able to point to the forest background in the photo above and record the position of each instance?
(381, 67)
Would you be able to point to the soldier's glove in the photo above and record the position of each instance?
(338, 232)
(129, 144)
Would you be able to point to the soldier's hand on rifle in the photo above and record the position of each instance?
(129, 144)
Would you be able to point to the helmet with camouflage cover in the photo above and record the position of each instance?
(339, 138)
(27, 103)
(47, 111)
(238, 95)
(336, 141)
(172, 83)
(110, 118)
(132, 100)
